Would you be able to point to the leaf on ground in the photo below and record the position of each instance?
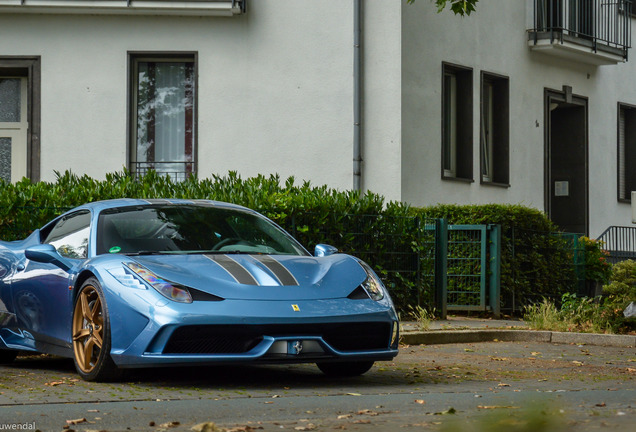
(309, 427)
(451, 410)
(497, 407)
(170, 424)
(76, 421)
(499, 358)
(344, 416)
(205, 427)
(354, 394)
(535, 353)
(362, 422)
(420, 401)
(468, 350)
(503, 385)
(246, 428)
(578, 363)
(602, 404)
(367, 412)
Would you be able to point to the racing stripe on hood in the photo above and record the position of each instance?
(284, 276)
(236, 270)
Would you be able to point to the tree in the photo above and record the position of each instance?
(459, 7)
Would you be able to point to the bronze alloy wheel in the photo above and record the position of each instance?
(91, 335)
(88, 329)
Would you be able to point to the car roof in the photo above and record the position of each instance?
(98, 206)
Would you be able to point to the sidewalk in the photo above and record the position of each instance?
(456, 329)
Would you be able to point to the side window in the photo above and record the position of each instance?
(70, 235)
(494, 139)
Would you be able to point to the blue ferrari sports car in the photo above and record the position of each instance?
(137, 283)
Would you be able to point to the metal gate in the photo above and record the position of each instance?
(469, 268)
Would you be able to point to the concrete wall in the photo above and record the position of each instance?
(494, 40)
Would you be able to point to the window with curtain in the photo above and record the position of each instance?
(163, 111)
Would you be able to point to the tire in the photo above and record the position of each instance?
(7, 356)
(345, 369)
(91, 335)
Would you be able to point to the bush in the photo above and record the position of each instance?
(585, 314)
(384, 234)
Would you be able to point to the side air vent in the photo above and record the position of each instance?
(358, 294)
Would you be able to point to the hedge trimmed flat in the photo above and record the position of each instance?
(138, 283)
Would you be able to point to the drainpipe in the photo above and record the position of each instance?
(357, 154)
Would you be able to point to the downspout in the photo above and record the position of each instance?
(357, 153)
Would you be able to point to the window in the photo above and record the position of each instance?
(626, 151)
(70, 235)
(163, 115)
(494, 127)
(457, 123)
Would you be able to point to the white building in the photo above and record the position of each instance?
(525, 101)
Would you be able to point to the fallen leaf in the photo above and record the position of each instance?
(499, 358)
(602, 404)
(362, 422)
(169, 424)
(205, 427)
(420, 401)
(76, 421)
(54, 383)
(451, 410)
(309, 427)
(578, 363)
(535, 353)
(468, 350)
(354, 394)
(367, 412)
(497, 406)
(503, 385)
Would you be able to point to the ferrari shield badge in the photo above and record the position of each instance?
(295, 308)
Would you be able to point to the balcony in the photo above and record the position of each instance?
(596, 32)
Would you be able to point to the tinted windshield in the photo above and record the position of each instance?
(190, 229)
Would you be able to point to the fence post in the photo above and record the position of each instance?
(441, 266)
(494, 284)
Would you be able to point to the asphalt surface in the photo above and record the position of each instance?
(568, 386)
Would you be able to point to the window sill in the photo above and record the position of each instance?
(495, 184)
(458, 179)
(625, 200)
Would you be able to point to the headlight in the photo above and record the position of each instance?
(167, 289)
(372, 285)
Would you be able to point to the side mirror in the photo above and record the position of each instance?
(323, 250)
(46, 253)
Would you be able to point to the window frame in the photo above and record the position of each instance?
(28, 67)
(457, 123)
(134, 57)
(623, 180)
(498, 144)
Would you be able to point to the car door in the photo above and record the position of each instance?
(41, 297)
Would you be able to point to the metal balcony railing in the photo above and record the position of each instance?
(599, 24)
(177, 170)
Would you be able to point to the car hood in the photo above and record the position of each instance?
(260, 277)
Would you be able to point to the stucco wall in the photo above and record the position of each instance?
(494, 40)
(274, 96)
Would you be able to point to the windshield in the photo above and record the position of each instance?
(190, 229)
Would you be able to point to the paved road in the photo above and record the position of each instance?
(570, 387)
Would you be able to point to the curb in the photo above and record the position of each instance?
(471, 336)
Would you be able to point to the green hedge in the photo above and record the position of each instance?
(391, 236)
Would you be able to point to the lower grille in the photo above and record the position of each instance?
(238, 339)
